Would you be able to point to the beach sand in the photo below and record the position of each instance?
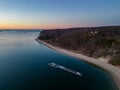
(112, 70)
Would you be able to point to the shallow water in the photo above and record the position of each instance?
(24, 66)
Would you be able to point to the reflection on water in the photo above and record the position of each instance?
(24, 66)
(11, 39)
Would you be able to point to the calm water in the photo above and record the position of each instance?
(24, 66)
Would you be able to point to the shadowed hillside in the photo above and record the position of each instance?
(94, 42)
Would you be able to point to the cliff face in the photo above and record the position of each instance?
(94, 42)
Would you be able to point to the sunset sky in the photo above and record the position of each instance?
(38, 14)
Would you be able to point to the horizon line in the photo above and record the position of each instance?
(58, 28)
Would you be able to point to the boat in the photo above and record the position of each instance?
(64, 68)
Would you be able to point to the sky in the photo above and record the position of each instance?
(47, 14)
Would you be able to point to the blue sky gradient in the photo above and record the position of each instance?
(58, 13)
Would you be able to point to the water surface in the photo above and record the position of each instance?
(24, 66)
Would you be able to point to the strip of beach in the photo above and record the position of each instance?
(112, 70)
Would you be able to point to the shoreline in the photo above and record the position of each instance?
(112, 70)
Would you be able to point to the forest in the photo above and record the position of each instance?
(92, 41)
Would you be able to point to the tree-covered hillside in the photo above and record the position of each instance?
(94, 42)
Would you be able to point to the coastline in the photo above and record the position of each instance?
(112, 70)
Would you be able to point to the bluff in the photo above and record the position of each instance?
(93, 41)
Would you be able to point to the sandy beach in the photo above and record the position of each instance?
(112, 70)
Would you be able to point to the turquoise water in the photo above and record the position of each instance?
(24, 66)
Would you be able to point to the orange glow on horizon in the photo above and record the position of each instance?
(33, 26)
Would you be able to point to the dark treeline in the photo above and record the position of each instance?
(94, 42)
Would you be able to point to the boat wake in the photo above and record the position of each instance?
(64, 68)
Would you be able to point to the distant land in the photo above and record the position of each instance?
(21, 30)
(102, 43)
